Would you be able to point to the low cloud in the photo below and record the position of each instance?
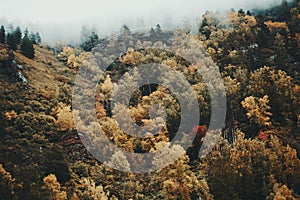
(62, 20)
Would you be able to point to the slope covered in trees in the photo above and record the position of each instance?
(257, 156)
(16, 40)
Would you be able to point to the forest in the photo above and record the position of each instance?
(51, 146)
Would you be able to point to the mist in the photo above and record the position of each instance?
(62, 20)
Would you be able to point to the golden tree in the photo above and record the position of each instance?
(258, 110)
(53, 187)
(64, 116)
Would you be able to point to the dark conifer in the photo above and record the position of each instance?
(17, 35)
(11, 41)
(2, 34)
(27, 47)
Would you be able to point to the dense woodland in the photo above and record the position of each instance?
(257, 157)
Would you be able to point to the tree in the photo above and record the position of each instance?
(27, 47)
(7, 183)
(284, 12)
(281, 51)
(11, 41)
(64, 117)
(241, 13)
(159, 32)
(203, 29)
(90, 41)
(38, 38)
(125, 29)
(26, 32)
(32, 38)
(18, 35)
(158, 28)
(255, 164)
(35, 38)
(152, 32)
(53, 187)
(258, 110)
(2, 34)
(277, 85)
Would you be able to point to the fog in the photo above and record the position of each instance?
(63, 19)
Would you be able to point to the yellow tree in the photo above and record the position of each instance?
(53, 187)
(258, 110)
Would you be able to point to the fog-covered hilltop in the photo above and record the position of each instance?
(63, 20)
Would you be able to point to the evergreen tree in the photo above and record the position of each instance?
(2, 34)
(284, 11)
(279, 46)
(32, 38)
(10, 28)
(125, 29)
(17, 35)
(27, 47)
(207, 23)
(38, 38)
(92, 41)
(152, 32)
(158, 28)
(11, 41)
(241, 13)
(159, 32)
(26, 33)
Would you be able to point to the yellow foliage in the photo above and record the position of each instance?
(242, 22)
(129, 58)
(107, 86)
(281, 192)
(64, 117)
(273, 26)
(10, 115)
(73, 57)
(54, 187)
(257, 110)
(5, 175)
(4, 54)
(67, 51)
(170, 62)
(87, 189)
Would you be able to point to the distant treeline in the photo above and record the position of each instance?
(15, 39)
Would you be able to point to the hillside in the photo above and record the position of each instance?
(256, 156)
(27, 125)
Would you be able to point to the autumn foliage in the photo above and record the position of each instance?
(256, 156)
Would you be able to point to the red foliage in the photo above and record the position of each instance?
(200, 133)
(262, 136)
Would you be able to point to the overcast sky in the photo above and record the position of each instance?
(69, 15)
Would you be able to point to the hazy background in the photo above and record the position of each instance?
(63, 19)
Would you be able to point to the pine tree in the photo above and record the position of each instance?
(2, 34)
(26, 32)
(241, 13)
(32, 38)
(90, 42)
(125, 29)
(152, 32)
(11, 41)
(17, 35)
(38, 38)
(284, 12)
(281, 51)
(158, 28)
(27, 47)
